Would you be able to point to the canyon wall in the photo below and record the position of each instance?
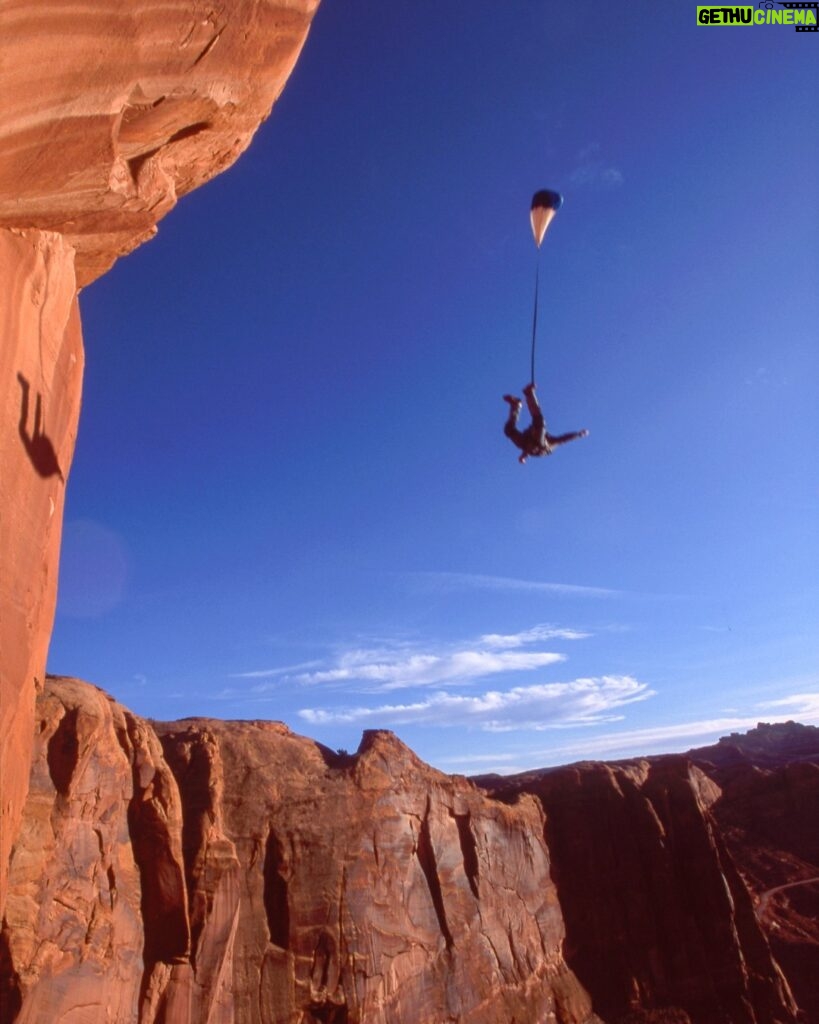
(227, 873)
(111, 111)
(41, 365)
(768, 815)
(657, 914)
(207, 872)
(231, 873)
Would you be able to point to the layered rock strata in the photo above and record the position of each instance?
(111, 111)
(237, 872)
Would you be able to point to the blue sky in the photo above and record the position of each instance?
(292, 498)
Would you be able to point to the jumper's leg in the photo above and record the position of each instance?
(510, 428)
(565, 438)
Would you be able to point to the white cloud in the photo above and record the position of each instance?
(698, 733)
(801, 705)
(480, 760)
(399, 664)
(537, 634)
(543, 706)
(643, 740)
(270, 673)
(478, 581)
(677, 737)
(389, 672)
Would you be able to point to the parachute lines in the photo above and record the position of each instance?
(545, 205)
(534, 321)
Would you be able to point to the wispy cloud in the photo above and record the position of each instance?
(681, 735)
(678, 737)
(391, 673)
(804, 706)
(537, 634)
(543, 706)
(402, 664)
(476, 581)
(593, 171)
(270, 673)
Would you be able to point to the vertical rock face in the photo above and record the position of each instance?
(248, 875)
(363, 889)
(111, 110)
(235, 873)
(97, 887)
(656, 913)
(770, 820)
(41, 365)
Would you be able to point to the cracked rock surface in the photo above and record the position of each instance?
(237, 873)
(175, 873)
(658, 916)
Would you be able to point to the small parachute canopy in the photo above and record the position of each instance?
(545, 205)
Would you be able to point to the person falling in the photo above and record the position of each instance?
(535, 440)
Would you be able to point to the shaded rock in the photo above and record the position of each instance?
(657, 916)
(770, 821)
(233, 872)
(767, 746)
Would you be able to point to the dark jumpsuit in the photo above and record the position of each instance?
(535, 440)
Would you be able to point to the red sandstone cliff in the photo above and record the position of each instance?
(237, 872)
(769, 816)
(110, 111)
(232, 872)
(113, 110)
(657, 914)
(41, 365)
(223, 872)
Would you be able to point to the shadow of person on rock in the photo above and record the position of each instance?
(38, 445)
